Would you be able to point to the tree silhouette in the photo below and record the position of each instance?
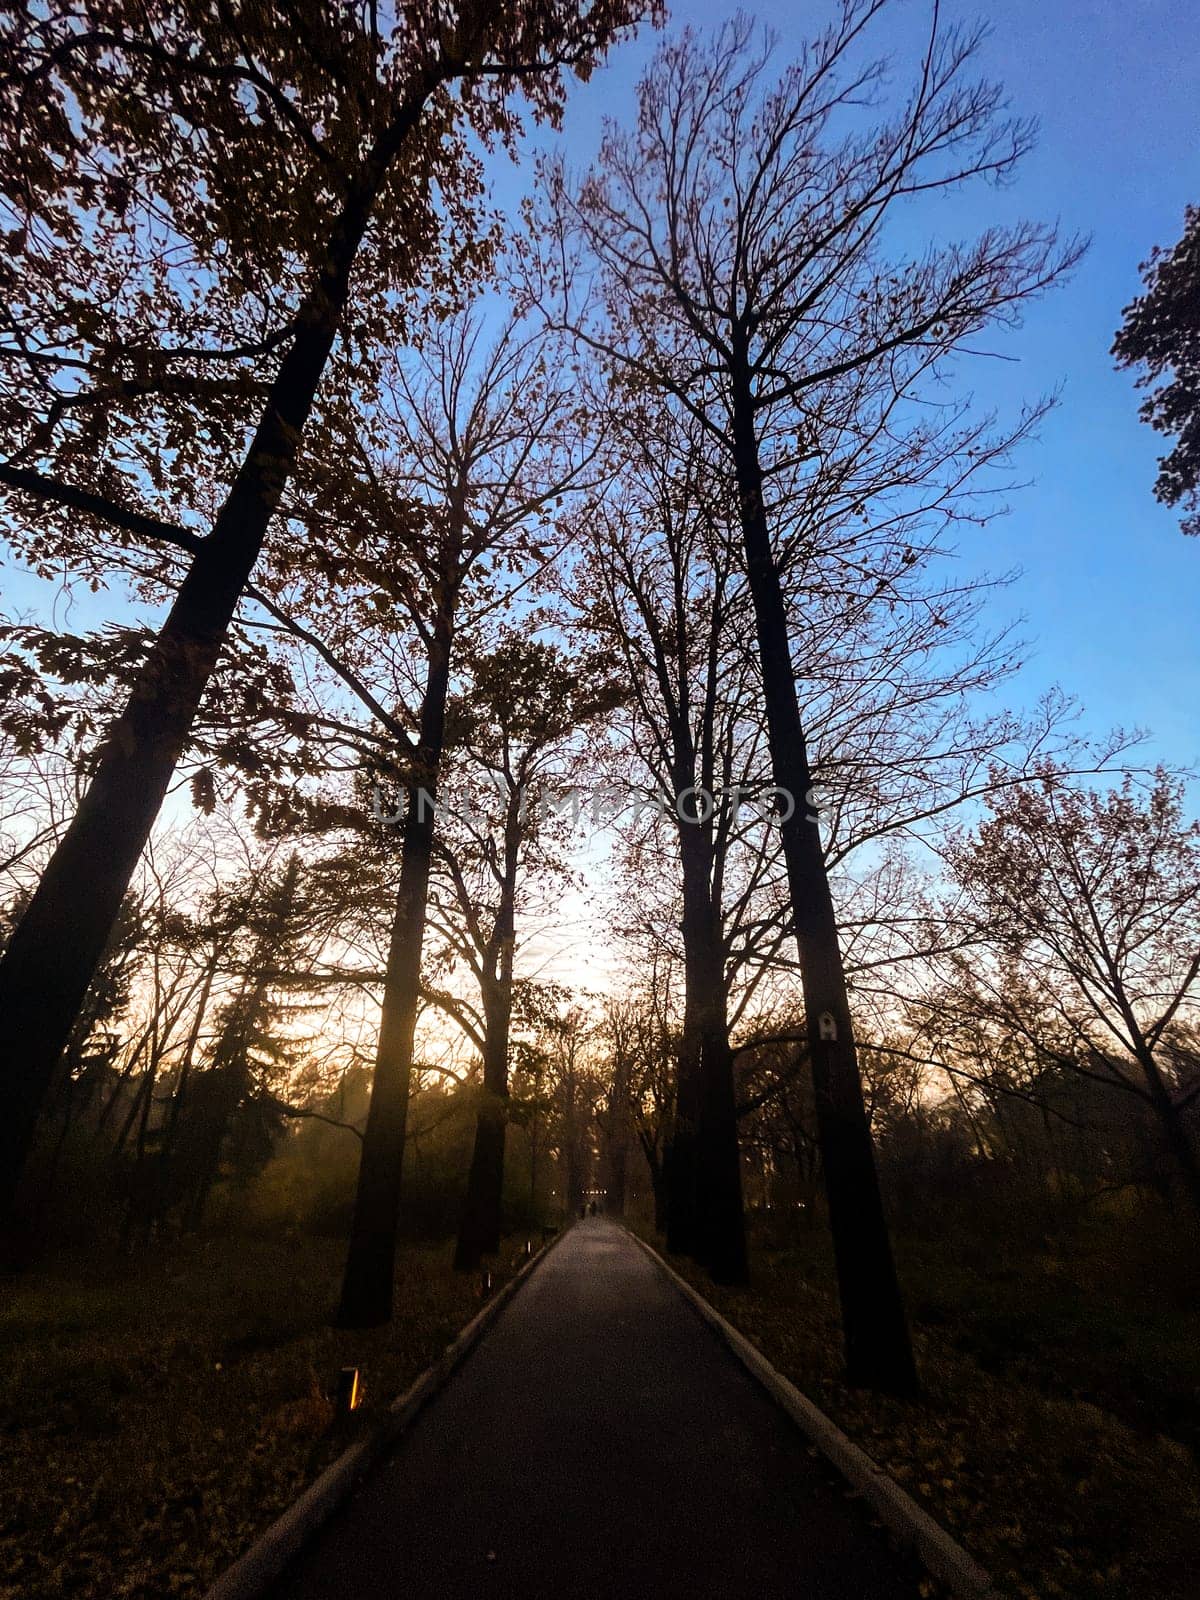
(253, 174)
(732, 256)
(1088, 906)
(1161, 333)
(518, 724)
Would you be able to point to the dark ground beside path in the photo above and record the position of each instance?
(601, 1442)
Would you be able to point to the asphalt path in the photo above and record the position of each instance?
(600, 1441)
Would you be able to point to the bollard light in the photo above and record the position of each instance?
(528, 1248)
(349, 1392)
(485, 1281)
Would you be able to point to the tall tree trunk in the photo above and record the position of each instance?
(722, 1213)
(806, 1178)
(572, 1150)
(875, 1330)
(658, 1185)
(479, 1231)
(1175, 1130)
(715, 1214)
(618, 1134)
(680, 1155)
(616, 1179)
(159, 1202)
(50, 959)
(660, 1199)
(126, 1072)
(137, 1106)
(225, 1096)
(367, 1286)
(138, 1202)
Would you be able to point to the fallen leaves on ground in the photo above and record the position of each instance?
(1054, 1495)
(156, 1413)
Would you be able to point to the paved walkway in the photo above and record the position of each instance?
(600, 1443)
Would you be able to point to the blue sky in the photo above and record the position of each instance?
(1109, 585)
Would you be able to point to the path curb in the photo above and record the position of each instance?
(257, 1568)
(942, 1555)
